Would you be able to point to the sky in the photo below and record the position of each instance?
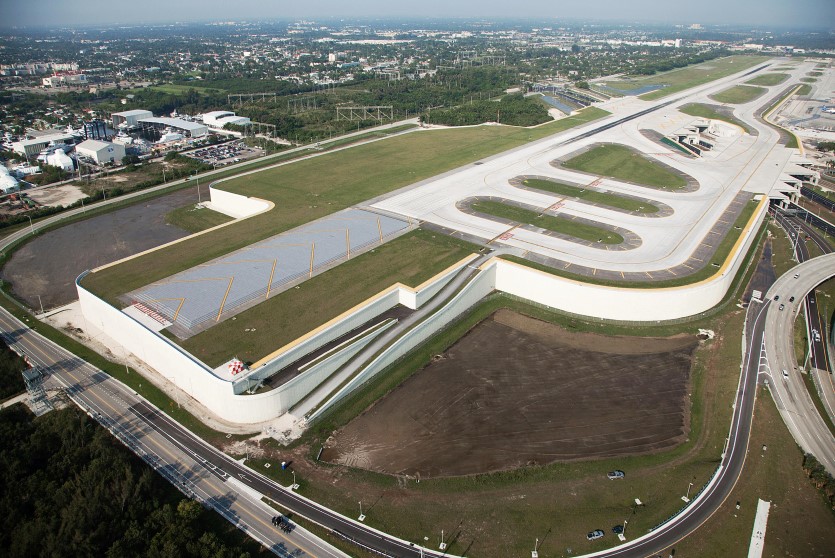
(72, 13)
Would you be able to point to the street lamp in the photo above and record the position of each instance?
(31, 226)
(686, 497)
(41, 303)
(294, 486)
(362, 515)
(197, 178)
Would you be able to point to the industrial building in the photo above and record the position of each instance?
(188, 129)
(220, 118)
(101, 151)
(128, 118)
(8, 183)
(31, 147)
(65, 78)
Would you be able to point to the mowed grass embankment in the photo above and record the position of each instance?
(315, 187)
(622, 163)
(409, 259)
(602, 198)
(706, 111)
(691, 76)
(768, 79)
(557, 224)
(194, 218)
(738, 95)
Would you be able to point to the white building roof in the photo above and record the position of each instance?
(92, 145)
(134, 112)
(174, 123)
(46, 139)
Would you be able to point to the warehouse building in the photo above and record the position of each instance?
(128, 118)
(31, 147)
(188, 129)
(101, 151)
(220, 118)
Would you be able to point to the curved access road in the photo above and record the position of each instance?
(790, 394)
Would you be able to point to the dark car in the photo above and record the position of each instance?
(776, 297)
(791, 299)
(617, 529)
(596, 534)
(782, 306)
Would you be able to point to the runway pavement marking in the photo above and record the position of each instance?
(223, 302)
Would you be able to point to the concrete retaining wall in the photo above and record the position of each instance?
(235, 205)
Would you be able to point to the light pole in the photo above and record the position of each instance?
(31, 226)
(295, 485)
(362, 515)
(442, 546)
(686, 497)
(41, 303)
(197, 178)
(535, 551)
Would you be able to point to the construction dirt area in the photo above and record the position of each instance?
(517, 391)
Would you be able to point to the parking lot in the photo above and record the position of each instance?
(225, 154)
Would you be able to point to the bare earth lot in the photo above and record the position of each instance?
(516, 391)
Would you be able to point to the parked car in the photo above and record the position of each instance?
(613, 475)
(782, 306)
(796, 275)
(791, 299)
(785, 374)
(596, 534)
(776, 297)
(617, 529)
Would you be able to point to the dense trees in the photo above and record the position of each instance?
(514, 110)
(11, 365)
(70, 489)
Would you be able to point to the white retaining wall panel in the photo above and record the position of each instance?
(336, 330)
(235, 205)
(613, 303)
(482, 285)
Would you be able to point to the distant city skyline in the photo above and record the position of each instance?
(61, 13)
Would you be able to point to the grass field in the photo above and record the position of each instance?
(768, 79)
(409, 259)
(706, 111)
(738, 95)
(557, 224)
(808, 80)
(178, 89)
(502, 511)
(719, 256)
(691, 76)
(603, 198)
(805, 89)
(312, 188)
(194, 218)
(623, 163)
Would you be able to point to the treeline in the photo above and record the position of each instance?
(673, 62)
(11, 366)
(514, 110)
(70, 489)
(820, 478)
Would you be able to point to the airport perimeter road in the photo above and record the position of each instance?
(816, 319)
(193, 466)
(114, 405)
(790, 394)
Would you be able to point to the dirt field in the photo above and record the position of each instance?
(517, 391)
(49, 264)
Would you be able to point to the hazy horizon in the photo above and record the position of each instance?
(63, 13)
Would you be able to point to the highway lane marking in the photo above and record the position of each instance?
(95, 399)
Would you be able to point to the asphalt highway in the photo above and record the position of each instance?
(789, 392)
(135, 423)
